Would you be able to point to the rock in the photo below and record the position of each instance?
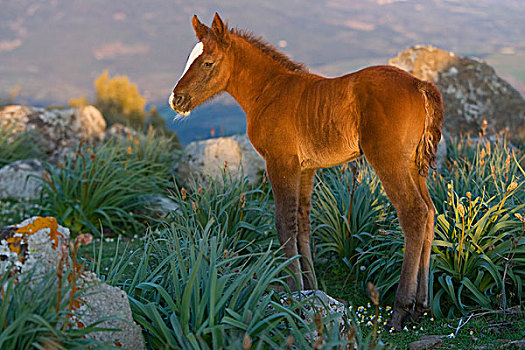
(325, 305)
(472, 92)
(33, 243)
(40, 243)
(427, 342)
(161, 206)
(210, 157)
(20, 180)
(102, 300)
(57, 132)
(119, 131)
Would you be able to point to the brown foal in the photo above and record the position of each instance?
(300, 122)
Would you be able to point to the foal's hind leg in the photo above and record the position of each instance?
(397, 179)
(422, 287)
(303, 238)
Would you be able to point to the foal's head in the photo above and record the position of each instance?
(207, 70)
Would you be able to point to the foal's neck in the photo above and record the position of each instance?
(252, 72)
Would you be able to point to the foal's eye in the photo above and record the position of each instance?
(208, 64)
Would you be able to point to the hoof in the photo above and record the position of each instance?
(398, 319)
(418, 312)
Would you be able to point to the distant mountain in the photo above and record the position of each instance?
(54, 49)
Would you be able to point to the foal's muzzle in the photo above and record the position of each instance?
(180, 103)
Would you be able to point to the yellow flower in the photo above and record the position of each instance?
(512, 186)
(461, 210)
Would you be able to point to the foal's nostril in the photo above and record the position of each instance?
(178, 99)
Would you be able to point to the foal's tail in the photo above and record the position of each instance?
(427, 147)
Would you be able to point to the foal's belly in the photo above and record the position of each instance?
(312, 163)
(326, 152)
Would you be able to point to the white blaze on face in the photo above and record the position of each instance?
(198, 49)
(195, 53)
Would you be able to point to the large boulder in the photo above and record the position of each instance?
(32, 244)
(20, 180)
(472, 92)
(55, 131)
(40, 245)
(212, 157)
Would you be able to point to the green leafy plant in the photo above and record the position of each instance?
(13, 148)
(244, 213)
(478, 255)
(480, 168)
(34, 315)
(192, 292)
(108, 186)
(379, 262)
(347, 208)
(152, 146)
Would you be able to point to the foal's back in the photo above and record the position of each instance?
(380, 104)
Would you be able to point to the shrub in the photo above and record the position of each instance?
(119, 100)
(108, 186)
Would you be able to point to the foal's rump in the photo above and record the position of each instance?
(400, 116)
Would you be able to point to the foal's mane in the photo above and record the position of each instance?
(269, 49)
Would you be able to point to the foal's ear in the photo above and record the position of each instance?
(200, 29)
(220, 30)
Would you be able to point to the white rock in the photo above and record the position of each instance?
(102, 300)
(20, 180)
(208, 158)
(55, 131)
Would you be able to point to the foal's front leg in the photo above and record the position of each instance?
(303, 237)
(285, 179)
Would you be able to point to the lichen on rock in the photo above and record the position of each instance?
(41, 245)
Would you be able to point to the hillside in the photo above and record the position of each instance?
(54, 49)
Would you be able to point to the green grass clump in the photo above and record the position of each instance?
(212, 276)
(243, 212)
(109, 186)
(34, 315)
(16, 148)
(347, 208)
(198, 290)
